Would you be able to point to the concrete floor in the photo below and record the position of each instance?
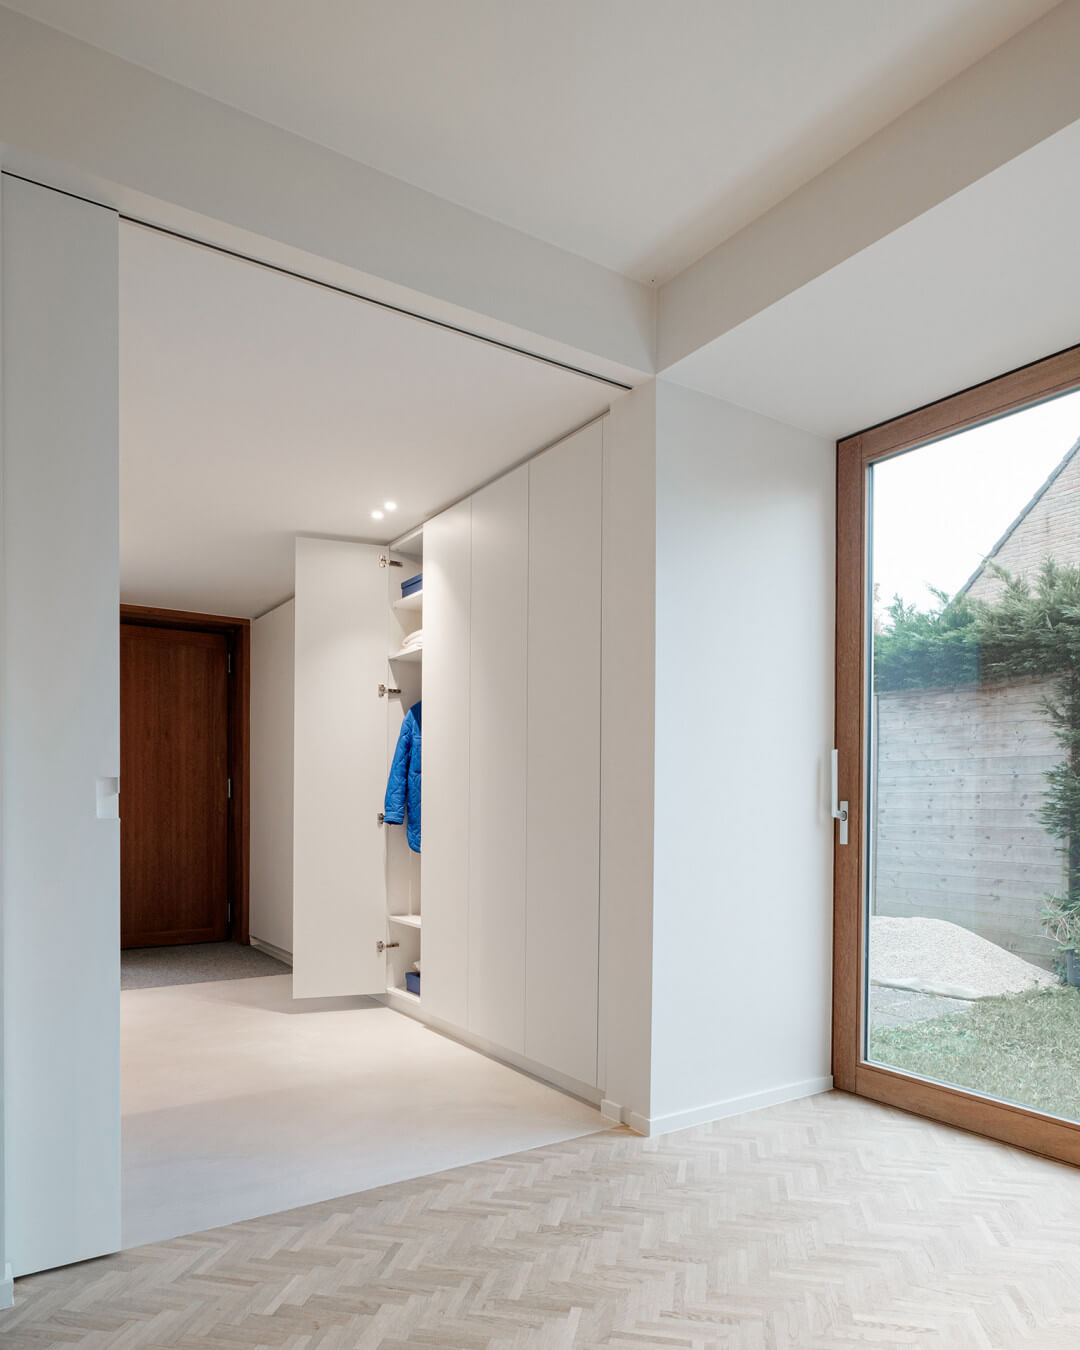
(239, 1103)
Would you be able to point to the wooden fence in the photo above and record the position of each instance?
(957, 779)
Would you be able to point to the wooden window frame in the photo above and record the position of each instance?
(238, 635)
(1032, 1130)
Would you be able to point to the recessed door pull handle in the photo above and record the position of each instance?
(839, 808)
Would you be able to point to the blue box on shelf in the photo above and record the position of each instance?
(413, 585)
(412, 982)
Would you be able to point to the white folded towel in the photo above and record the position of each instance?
(412, 640)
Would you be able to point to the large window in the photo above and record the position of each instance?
(958, 893)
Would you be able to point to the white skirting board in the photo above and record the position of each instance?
(700, 1115)
(278, 953)
(613, 1111)
(7, 1289)
(412, 1008)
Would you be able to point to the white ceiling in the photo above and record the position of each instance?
(982, 283)
(255, 407)
(634, 133)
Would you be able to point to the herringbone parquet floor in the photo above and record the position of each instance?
(820, 1225)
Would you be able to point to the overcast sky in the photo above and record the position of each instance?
(939, 510)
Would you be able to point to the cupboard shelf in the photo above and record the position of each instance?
(410, 604)
(409, 920)
(410, 654)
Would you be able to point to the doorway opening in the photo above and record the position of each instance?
(277, 441)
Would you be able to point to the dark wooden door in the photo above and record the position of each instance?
(174, 808)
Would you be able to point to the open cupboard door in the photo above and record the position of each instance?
(340, 733)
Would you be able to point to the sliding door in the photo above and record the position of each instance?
(60, 736)
(958, 727)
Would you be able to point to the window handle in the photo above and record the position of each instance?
(839, 808)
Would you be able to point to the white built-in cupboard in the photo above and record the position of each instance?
(501, 909)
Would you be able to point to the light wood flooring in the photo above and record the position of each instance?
(824, 1224)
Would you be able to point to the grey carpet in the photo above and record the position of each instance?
(152, 967)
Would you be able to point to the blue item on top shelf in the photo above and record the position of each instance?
(413, 585)
(412, 982)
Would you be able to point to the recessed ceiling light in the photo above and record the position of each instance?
(376, 515)
(390, 506)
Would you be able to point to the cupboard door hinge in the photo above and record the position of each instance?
(381, 946)
(384, 690)
(384, 561)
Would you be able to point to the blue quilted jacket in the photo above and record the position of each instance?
(403, 788)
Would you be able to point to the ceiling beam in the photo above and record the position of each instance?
(1014, 98)
(85, 121)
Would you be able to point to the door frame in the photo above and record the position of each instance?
(1016, 1125)
(238, 635)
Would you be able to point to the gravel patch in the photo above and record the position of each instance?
(931, 956)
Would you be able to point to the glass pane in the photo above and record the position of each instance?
(973, 777)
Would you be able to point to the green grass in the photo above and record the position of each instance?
(1023, 1048)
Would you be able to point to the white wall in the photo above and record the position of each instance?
(743, 838)
(273, 654)
(628, 692)
(60, 728)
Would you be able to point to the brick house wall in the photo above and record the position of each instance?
(1048, 527)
